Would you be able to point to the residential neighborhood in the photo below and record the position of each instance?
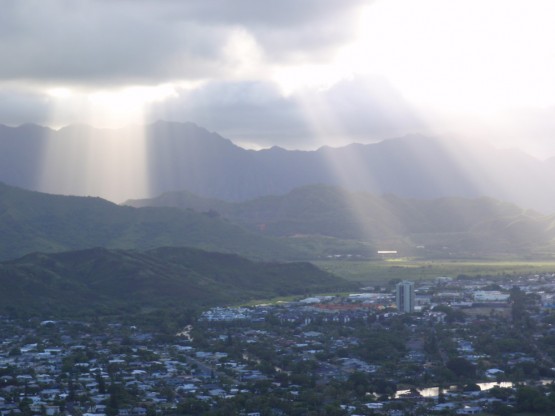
(470, 345)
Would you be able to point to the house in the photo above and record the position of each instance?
(494, 372)
(443, 406)
(469, 410)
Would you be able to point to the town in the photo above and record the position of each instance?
(452, 345)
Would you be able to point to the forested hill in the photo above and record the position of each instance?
(477, 226)
(33, 221)
(100, 280)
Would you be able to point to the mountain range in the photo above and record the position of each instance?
(460, 226)
(417, 195)
(305, 224)
(161, 157)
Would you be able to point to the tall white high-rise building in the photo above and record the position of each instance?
(404, 295)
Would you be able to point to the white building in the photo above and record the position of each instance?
(490, 296)
(404, 295)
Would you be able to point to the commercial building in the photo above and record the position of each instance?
(404, 295)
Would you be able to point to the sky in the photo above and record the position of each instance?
(296, 74)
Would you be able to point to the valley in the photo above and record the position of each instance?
(287, 208)
(286, 291)
(381, 272)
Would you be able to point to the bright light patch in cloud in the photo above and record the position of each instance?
(478, 68)
(112, 108)
(60, 92)
(106, 108)
(297, 78)
(243, 54)
(469, 56)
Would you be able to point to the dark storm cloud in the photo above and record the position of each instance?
(92, 44)
(83, 42)
(239, 110)
(256, 13)
(360, 110)
(283, 28)
(114, 42)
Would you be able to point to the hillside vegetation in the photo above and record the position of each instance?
(100, 280)
(32, 221)
(436, 227)
(308, 223)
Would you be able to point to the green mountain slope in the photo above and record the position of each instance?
(32, 221)
(459, 226)
(103, 280)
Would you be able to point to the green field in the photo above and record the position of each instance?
(379, 272)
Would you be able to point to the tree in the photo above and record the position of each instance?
(518, 300)
(101, 383)
(192, 406)
(471, 387)
(501, 409)
(14, 351)
(461, 367)
(531, 399)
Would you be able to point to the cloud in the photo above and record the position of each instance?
(252, 113)
(358, 109)
(266, 73)
(20, 107)
(84, 43)
(99, 42)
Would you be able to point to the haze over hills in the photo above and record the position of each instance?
(33, 221)
(307, 223)
(94, 280)
(161, 157)
(482, 226)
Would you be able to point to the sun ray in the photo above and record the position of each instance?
(324, 123)
(111, 163)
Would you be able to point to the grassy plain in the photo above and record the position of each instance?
(380, 272)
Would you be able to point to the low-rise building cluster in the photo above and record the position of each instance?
(356, 353)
